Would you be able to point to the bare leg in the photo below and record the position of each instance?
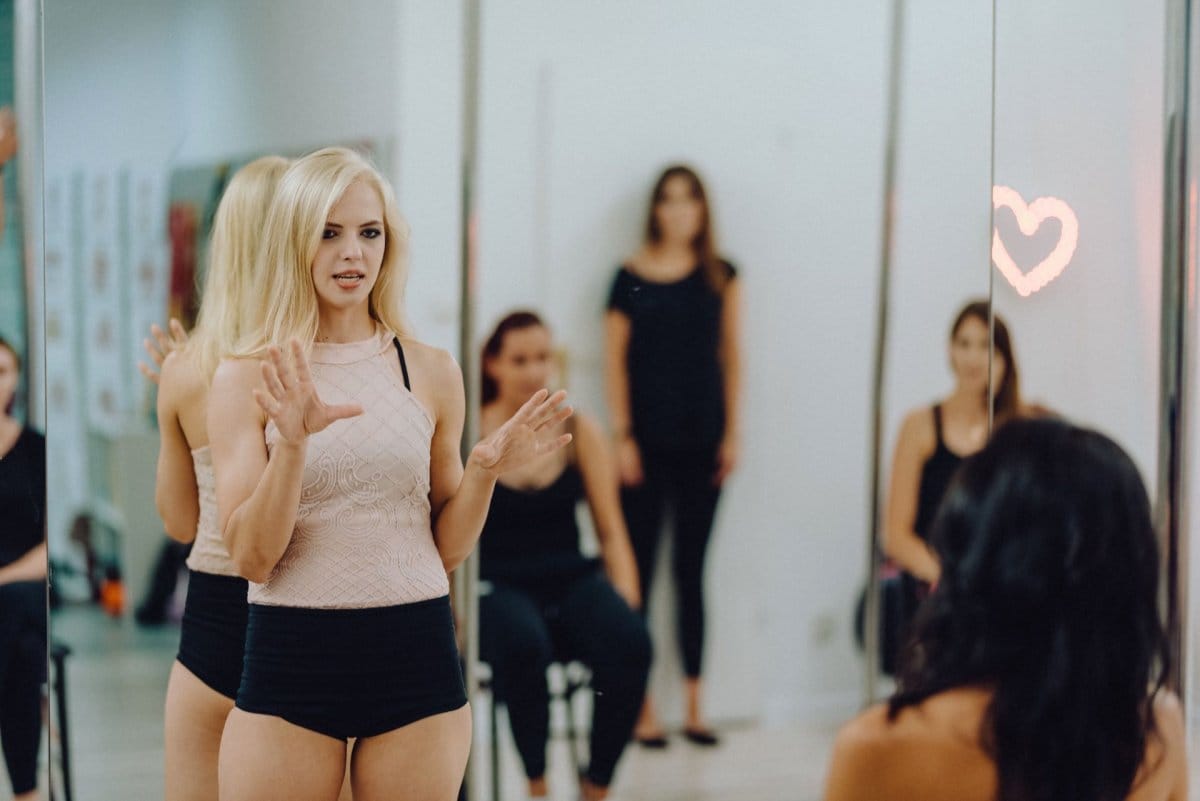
(648, 726)
(538, 788)
(265, 758)
(344, 794)
(423, 761)
(194, 719)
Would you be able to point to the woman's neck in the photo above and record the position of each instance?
(501, 408)
(967, 401)
(344, 325)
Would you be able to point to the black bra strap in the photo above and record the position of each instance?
(937, 417)
(403, 364)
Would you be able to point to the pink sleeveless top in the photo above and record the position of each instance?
(209, 554)
(363, 535)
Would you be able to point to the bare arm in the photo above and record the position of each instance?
(616, 383)
(175, 492)
(257, 497)
(31, 566)
(730, 354)
(459, 497)
(600, 484)
(900, 540)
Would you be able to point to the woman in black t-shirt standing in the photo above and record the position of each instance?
(22, 585)
(673, 370)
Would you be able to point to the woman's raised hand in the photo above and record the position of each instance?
(161, 347)
(527, 435)
(290, 398)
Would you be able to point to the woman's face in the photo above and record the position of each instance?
(350, 254)
(969, 357)
(524, 364)
(9, 376)
(680, 214)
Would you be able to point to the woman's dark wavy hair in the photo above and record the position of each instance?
(1007, 396)
(1049, 598)
(515, 321)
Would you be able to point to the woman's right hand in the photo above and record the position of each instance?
(629, 462)
(290, 398)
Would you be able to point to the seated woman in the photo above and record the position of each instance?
(546, 600)
(1039, 661)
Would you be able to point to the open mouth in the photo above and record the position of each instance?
(349, 279)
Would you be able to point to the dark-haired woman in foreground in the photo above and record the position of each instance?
(1039, 661)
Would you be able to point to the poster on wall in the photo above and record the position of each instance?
(65, 447)
(102, 348)
(146, 281)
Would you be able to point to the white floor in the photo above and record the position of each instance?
(116, 681)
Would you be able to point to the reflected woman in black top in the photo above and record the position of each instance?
(22, 585)
(673, 377)
(544, 601)
(934, 440)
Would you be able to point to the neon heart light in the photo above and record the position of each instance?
(1029, 219)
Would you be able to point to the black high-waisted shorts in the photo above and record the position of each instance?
(352, 672)
(213, 634)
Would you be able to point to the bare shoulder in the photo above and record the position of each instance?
(587, 434)
(863, 745)
(1168, 718)
(436, 363)
(918, 431)
(233, 375)
(180, 378)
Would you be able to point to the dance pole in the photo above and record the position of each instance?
(871, 642)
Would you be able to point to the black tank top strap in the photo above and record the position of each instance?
(403, 364)
(937, 424)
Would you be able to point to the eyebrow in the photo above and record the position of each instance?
(364, 225)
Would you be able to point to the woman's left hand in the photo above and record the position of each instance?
(161, 347)
(527, 435)
(728, 456)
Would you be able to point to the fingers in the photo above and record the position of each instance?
(270, 376)
(150, 375)
(164, 344)
(547, 412)
(301, 363)
(177, 331)
(528, 411)
(265, 402)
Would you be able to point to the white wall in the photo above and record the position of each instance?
(1079, 117)
(780, 106)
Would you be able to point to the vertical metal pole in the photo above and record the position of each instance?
(871, 640)
(1173, 411)
(27, 72)
(466, 584)
(991, 406)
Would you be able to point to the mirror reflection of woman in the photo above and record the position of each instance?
(546, 600)
(22, 584)
(1040, 660)
(205, 676)
(933, 442)
(343, 498)
(673, 370)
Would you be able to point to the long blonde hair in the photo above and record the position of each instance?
(285, 301)
(232, 254)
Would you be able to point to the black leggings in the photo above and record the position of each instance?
(522, 630)
(685, 481)
(22, 673)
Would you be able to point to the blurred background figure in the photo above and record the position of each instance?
(673, 374)
(22, 584)
(933, 442)
(547, 601)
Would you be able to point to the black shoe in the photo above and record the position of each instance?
(657, 741)
(704, 737)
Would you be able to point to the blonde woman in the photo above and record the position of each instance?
(205, 676)
(344, 500)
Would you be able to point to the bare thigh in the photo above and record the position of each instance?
(195, 717)
(423, 761)
(265, 758)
